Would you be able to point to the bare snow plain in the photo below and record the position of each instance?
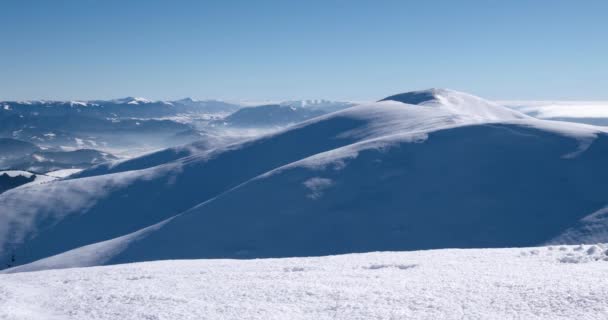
(558, 282)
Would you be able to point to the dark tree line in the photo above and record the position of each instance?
(7, 182)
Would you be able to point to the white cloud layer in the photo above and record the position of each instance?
(561, 109)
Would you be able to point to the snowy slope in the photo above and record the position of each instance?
(398, 194)
(453, 170)
(561, 282)
(209, 142)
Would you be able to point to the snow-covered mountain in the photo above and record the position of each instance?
(422, 170)
(189, 105)
(123, 107)
(269, 116)
(457, 103)
(560, 282)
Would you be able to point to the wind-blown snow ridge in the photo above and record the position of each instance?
(458, 103)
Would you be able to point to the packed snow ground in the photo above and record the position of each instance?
(560, 282)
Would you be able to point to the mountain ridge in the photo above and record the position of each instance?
(347, 151)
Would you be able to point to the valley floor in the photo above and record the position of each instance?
(559, 282)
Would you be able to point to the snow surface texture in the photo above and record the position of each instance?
(560, 282)
(431, 169)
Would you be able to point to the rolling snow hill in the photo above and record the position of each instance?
(560, 282)
(128, 107)
(422, 170)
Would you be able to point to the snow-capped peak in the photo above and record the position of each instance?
(138, 100)
(132, 100)
(458, 103)
(422, 96)
(78, 104)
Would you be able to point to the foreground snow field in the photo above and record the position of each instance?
(559, 282)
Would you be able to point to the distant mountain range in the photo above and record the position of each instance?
(132, 107)
(129, 124)
(269, 116)
(21, 155)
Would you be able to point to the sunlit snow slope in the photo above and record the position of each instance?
(560, 282)
(421, 170)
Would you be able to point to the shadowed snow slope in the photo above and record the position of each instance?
(452, 171)
(566, 282)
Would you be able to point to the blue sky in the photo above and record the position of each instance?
(358, 50)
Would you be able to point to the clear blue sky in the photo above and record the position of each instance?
(257, 49)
